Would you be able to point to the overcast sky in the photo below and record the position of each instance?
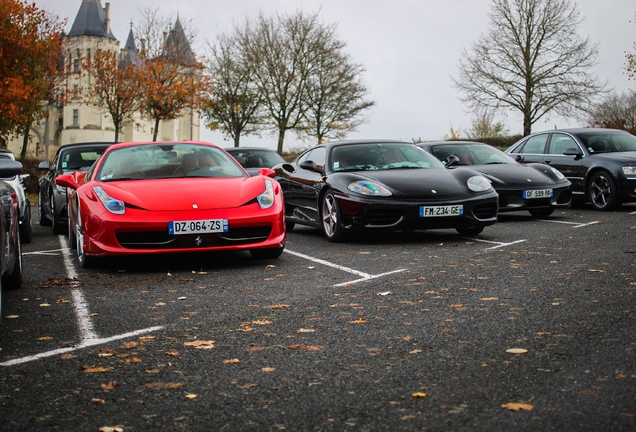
(410, 49)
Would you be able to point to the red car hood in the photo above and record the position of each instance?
(186, 194)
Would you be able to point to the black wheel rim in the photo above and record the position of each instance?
(330, 217)
(600, 192)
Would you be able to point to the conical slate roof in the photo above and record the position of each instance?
(90, 21)
(177, 45)
(132, 55)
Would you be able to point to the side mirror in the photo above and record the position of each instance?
(573, 152)
(44, 165)
(452, 160)
(311, 166)
(267, 172)
(66, 180)
(10, 168)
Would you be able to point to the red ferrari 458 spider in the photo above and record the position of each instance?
(158, 197)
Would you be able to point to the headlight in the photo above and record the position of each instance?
(629, 170)
(557, 173)
(266, 199)
(113, 205)
(478, 184)
(369, 188)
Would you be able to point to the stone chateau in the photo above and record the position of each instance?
(74, 121)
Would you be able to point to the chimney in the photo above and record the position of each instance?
(107, 17)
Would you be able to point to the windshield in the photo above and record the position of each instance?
(602, 142)
(472, 154)
(152, 161)
(256, 158)
(380, 156)
(81, 158)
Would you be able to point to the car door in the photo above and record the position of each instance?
(570, 165)
(302, 185)
(532, 149)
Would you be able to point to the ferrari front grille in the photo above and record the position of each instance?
(162, 240)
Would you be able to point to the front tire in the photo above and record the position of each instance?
(44, 221)
(84, 261)
(271, 253)
(602, 192)
(541, 213)
(25, 226)
(330, 215)
(57, 226)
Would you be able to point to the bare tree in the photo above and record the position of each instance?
(531, 60)
(617, 111)
(335, 95)
(630, 63)
(234, 102)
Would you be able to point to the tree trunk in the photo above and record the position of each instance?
(281, 140)
(116, 132)
(156, 131)
(25, 141)
(527, 125)
(237, 139)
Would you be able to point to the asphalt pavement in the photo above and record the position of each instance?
(529, 326)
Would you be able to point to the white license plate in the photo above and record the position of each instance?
(543, 193)
(435, 211)
(197, 226)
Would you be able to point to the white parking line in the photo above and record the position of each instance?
(576, 225)
(52, 252)
(364, 276)
(88, 337)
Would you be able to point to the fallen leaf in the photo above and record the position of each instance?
(231, 361)
(67, 356)
(45, 338)
(12, 316)
(516, 351)
(302, 330)
(132, 360)
(279, 306)
(45, 305)
(106, 352)
(111, 385)
(245, 329)
(94, 314)
(182, 298)
(261, 322)
(358, 321)
(268, 369)
(200, 344)
(419, 395)
(311, 347)
(173, 353)
(98, 401)
(95, 369)
(152, 371)
(270, 266)
(516, 406)
(190, 396)
(489, 299)
(415, 351)
(111, 429)
(385, 293)
(130, 345)
(147, 338)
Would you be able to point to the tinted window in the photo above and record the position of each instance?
(534, 145)
(562, 142)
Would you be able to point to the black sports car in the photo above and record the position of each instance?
(51, 198)
(255, 158)
(600, 163)
(538, 188)
(11, 256)
(349, 186)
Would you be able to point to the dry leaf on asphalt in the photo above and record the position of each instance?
(303, 330)
(358, 321)
(98, 401)
(190, 396)
(261, 322)
(163, 385)
(268, 369)
(200, 344)
(516, 351)
(173, 353)
(111, 429)
(95, 369)
(516, 406)
(231, 361)
(419, 395)
(111, 385)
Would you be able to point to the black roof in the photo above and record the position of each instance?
(90, 21)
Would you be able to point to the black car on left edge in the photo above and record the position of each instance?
(51, 198)
(11, 256)
(537, 188)
(352, 186)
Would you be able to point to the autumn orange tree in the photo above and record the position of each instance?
(115, 87)
(172, 79)
(30, 49)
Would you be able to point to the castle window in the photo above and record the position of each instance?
(75, 91)
(76, 65)
(75, 117)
